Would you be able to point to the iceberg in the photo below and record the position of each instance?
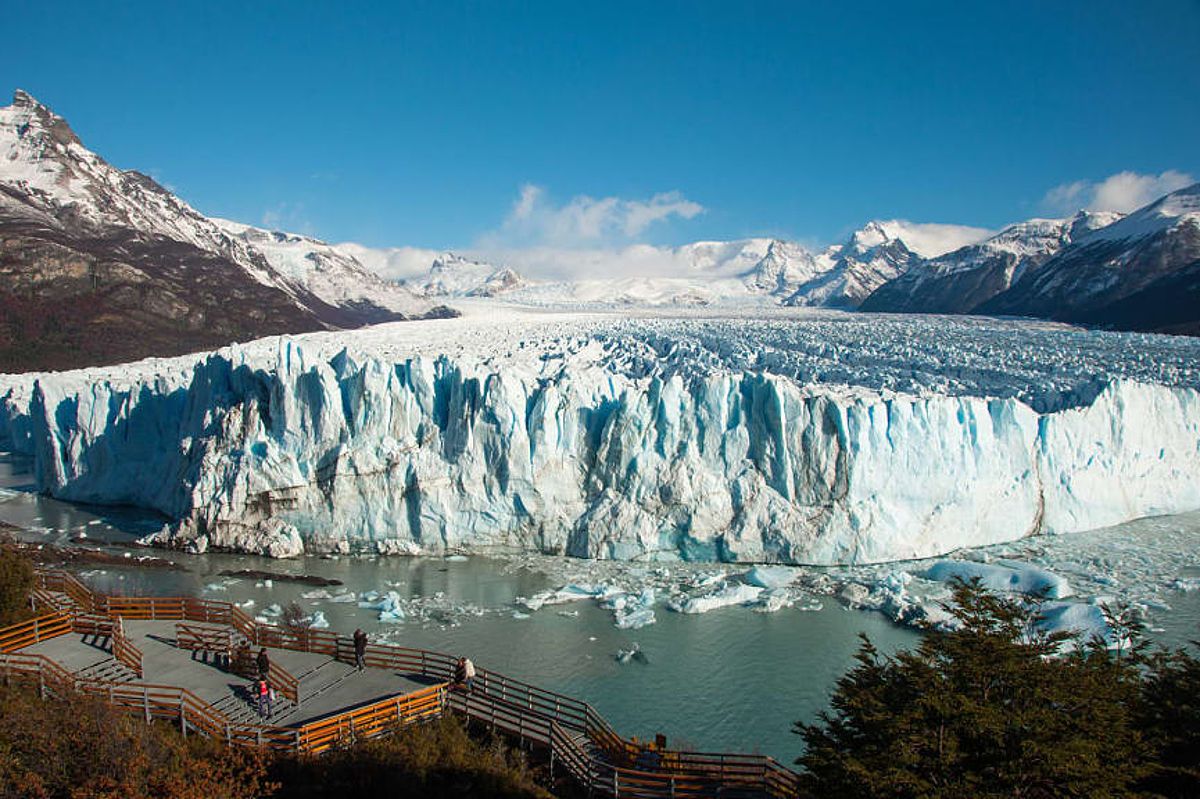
(637, 439)
(732, 594)
(1008, 576)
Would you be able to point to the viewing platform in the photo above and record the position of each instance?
(192, 662)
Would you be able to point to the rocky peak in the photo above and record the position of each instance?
(31, 118)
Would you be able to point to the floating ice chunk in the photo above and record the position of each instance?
(635, 620)
(732, 594)
(249, 603)
(519, 615)
(771, 576)
(273, 610)
(570, 614)
(344, 598)
(317, 621)
(216, 587)
(457, 558)
(1186, 584)
(1085, 620)
(633, 653)
(1006, 575)
(319, 593)
(389, 607)
(773, 600)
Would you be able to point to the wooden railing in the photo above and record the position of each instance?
(204, 639)
(283, 682)
(38, 669)
(372, 720)
(125, 651)
(35, 630)
(620, 768)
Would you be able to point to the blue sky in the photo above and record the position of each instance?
(429, 124)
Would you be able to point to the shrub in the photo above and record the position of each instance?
(16, 581)
(79, 748)
(436, 759)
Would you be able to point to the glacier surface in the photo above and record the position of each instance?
(787, 437)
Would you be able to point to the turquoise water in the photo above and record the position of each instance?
(727, 680)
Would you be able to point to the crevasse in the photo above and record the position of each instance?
(359, 454)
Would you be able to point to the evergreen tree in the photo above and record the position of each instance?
(991, 709)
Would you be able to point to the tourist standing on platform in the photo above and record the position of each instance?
(264, 664)
(464, 673)
(360, 649)
(264, 698)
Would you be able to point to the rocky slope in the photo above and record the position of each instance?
(1139, 273)
(960, 281)
(100, 265)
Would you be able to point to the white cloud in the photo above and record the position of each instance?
(392, 263)
(931, 239)
(588, 263)
(1124, 192)
(583, 221)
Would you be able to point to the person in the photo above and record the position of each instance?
(264, 698)
(264, 663)
(464, 672)
(360, 649)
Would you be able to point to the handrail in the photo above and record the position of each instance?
(125, 651)
(282, 681)
(372, 720)
(35, 630)
(532, 713)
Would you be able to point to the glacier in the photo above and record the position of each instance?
(797, 438)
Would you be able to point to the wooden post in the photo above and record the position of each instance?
(182, 716)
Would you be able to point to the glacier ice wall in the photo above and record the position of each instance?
(425, 454)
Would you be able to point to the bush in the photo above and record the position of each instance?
(436, 759)
(79, 748)
(16, 581)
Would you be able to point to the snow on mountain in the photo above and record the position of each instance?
(452, 275)
(67, 211)
(959, 281)
(787, 435)
(1141, 272)
(845, 274)
(323, 270)
(1169, 213)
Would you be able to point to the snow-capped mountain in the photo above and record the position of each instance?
(959, 281)
(1141, 272)
(849, 272)
(452, 275)
(109, 264)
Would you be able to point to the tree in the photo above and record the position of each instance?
(1169, 714)
(991, 709)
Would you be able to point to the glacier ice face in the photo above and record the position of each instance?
(652, 439)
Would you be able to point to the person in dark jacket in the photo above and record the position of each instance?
(264, 663)
(360, 648)
(464, 673)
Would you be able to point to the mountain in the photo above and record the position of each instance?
(451, 275)
(959, 281)
(1141, 272)
(101, 265)
(849, 272)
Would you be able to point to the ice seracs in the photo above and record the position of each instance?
(647, 437)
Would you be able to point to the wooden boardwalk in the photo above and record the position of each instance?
(175, 658)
